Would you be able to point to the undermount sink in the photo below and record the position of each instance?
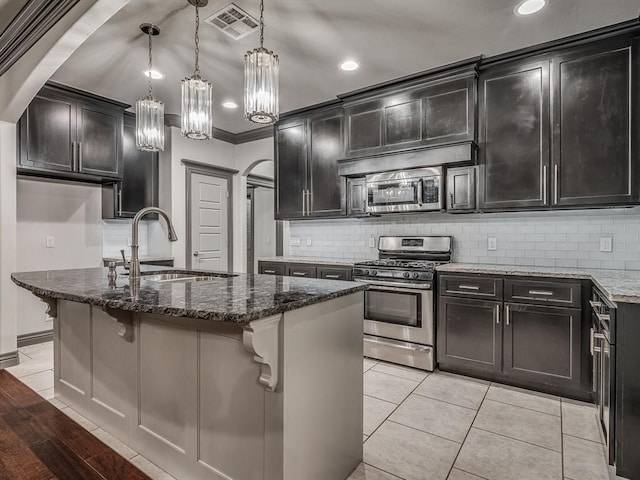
(183, 277)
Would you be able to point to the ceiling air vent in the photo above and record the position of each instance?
(233, 21)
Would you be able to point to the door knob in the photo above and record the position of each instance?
(195, 254)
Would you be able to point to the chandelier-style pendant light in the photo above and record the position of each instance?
(149, 111)
(197, 95)
(261, 82)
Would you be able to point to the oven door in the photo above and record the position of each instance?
(399, 312)
(402, 195)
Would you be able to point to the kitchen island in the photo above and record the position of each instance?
(230, 376)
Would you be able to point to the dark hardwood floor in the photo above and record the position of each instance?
(39, 442)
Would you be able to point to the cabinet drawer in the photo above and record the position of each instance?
(334, 273)
(543, 292)
(271, 268)
(301, 271)
(471, 286)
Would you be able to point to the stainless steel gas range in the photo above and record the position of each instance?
(399, 314)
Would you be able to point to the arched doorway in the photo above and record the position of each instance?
(263, 233)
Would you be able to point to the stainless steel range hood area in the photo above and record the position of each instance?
(424, 157)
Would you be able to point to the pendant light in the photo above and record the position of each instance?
(261, 82)
(197, 95)
(149, 111)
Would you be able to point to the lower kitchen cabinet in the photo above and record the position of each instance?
(542, 344)
(470, 334)
(532, 345)
(307, 270)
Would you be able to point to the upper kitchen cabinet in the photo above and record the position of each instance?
(596, 124)
(514, 135)
(429, 114)
(139, 186)
(307, 180)
(65, 133)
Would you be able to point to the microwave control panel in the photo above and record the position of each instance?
(431, 190)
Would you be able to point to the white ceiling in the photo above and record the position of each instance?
(390, 38)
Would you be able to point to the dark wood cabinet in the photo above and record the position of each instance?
(325, 186)
(461, 189)
(139, 186)
(291, 169)
(594, 158)
(356, 197)
(514, 136)
(334, 273)
(68, 134)
(543, 344)
(428, 114)
(307, 152)
(308, 270)
(266, 268)
(294, 270)
(469, 334)
(530, 339)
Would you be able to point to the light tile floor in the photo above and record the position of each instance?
(420, 426)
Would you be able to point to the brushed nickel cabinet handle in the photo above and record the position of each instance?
(119, 201)
(79, 156)
(74, 153)
(555, 183)
(541, 292)
(269, 271)
(299, 274)
(497, 314)
(333, 277)
(469, 287)
(591, 341)
(506, 314)
(544, 184)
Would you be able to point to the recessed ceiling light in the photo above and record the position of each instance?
(230, 105)
(155, 74)
(349, 65)
(527, 7)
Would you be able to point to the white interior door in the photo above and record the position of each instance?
(209, 222)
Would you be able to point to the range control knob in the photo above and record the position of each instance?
(416, 275)
(365, 272)
(374, 272)
(406, 274)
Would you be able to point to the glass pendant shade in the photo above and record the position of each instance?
(150, 124)
(197, 101)
(261, 86)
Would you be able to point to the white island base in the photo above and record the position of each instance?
(278, 398)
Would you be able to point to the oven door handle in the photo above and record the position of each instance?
(394, 286)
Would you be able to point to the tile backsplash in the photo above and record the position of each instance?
(559, 238)
(116, 235)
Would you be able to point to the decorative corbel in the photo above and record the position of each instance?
(261, 338)
(52, 306)
(124, 319)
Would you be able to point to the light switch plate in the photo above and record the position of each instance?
(50, 242)
(309, 241)
(606, 244)
(492, 244)
(372, 242)
(294, 241)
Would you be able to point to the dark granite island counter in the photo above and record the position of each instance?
(232, 377)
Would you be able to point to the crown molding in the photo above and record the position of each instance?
(173, 120)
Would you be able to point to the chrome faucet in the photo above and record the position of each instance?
(134, 268)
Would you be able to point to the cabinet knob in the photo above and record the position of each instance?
(195, 254)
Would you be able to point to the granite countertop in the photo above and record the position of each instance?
(619, 285)
(345, 262)
(239, 298)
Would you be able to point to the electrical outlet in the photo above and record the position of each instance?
(294, 241)
(309, 241)
(50, 242)
(606, 244)
(492, 244)
(372, 242)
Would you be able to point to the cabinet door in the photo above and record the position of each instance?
(47, 132)
(363, 125)
(356, 196)
(99, 128)
(335, 273)
(449, 112)
(592, 126)
(291, 169)
(326, 187)
(461, 189)
(469, 334)
(542, 344)
(139, 188)
(514, 136)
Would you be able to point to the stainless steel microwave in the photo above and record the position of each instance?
(414, 190)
